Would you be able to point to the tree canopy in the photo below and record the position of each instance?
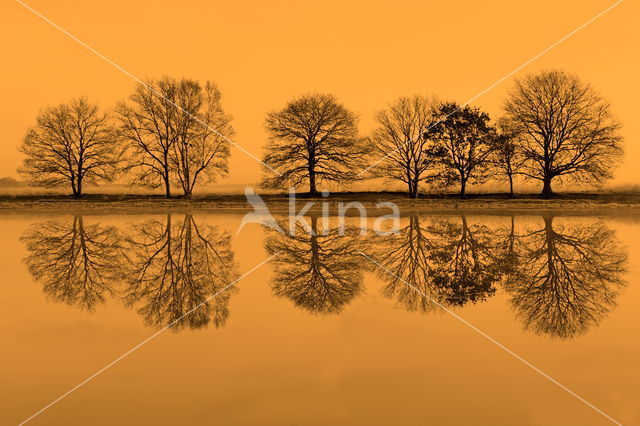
(401, 141)
(313, 139)
(565, 129)
(175, 131)
(71, 144)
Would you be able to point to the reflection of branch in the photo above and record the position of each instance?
(176, 267)
(320, 272)
(75, 263)
(445, 262)
(569, 278)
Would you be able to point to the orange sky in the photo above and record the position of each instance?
(365, 52)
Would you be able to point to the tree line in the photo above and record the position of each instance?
(554, 128)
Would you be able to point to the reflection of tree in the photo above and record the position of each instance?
(567, 279)
(506, 248)
(319, 271)
(76, 263)
(465, 269)
(445, 262)
(407, 268)
(177, 273)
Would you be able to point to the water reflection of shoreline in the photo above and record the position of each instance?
(561, 280)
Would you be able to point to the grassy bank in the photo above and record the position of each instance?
(566, 203)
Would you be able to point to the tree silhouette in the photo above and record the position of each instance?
(506, 155)
(466, 137)
(175, 129)
(440, 264)
(568, 278)
(77, 264)
(71, 144)
(564, 129)
(401, 141)
(320, 271)
(313, 139)
(178, 273)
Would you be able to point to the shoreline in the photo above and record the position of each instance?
(565, 204)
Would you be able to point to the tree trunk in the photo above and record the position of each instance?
(511, 194)
(547, 192)
(78, 193)
(413, 189)
(167, 186)
(463, 188)
(312, 183)
(187, 192)
(74, 191)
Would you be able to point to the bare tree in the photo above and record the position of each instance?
(465, 135)
(313, 139)
(400, 139)
(146, 127)
(202, 149)
(564, 128)
(175, 129)
(506, 156)
(71, 144)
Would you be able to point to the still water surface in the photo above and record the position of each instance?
(338, 328)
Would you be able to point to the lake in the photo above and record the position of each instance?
(453, 319)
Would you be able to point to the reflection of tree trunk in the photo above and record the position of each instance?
(313, 239)
(546, 188)
(512, 235)
(549, 238)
